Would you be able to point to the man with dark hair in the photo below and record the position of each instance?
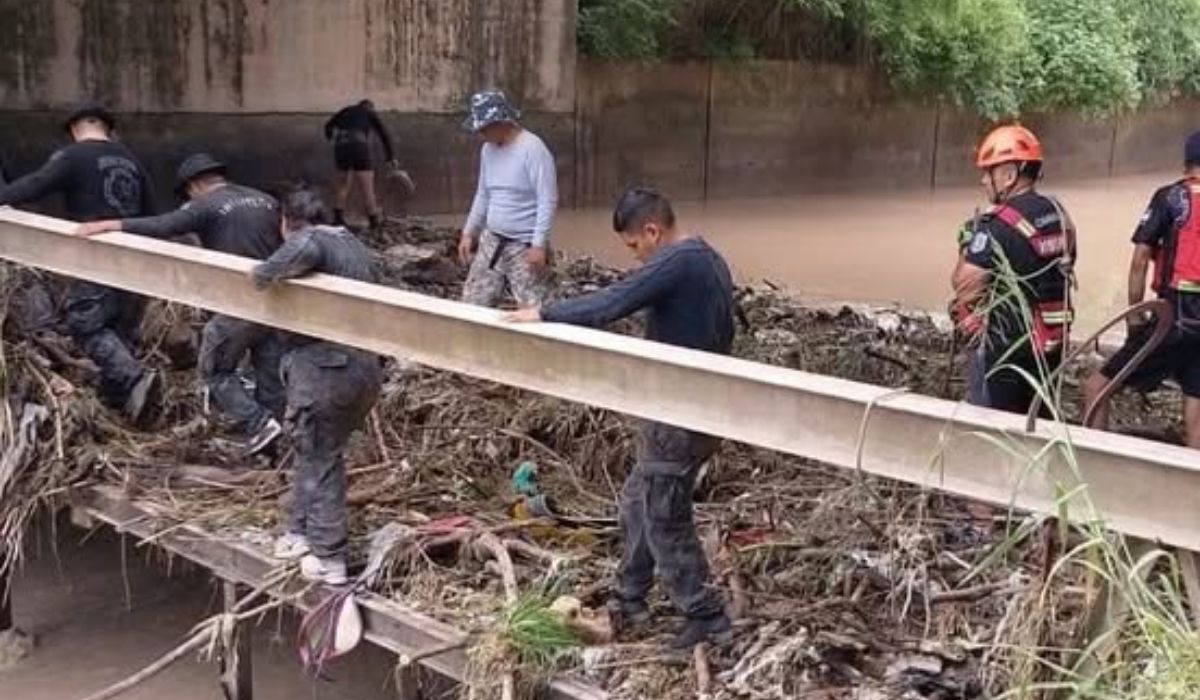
(687, 290)
(238, 220)
(99, 178)
(330, 390)
(506, 238)
(350, 131)
(1012, 283)
(1169, 235)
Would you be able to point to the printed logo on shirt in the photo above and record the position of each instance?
(979, 243)
(122, 186)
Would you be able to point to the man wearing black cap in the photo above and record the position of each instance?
(99, 178)
(1169, 235)
(238, 220)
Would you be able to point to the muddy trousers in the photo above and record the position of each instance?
(104, 323)
(330, 391)
(657, 523)
(224, 343)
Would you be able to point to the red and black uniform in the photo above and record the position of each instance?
(1026, 244)
(1171, 226)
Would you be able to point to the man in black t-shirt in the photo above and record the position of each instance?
(1012, 281)
(1169, 235)
(99, 178)
(686, 289)
(350, 131)
(238, 220)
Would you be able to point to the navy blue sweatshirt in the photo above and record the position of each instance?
(685, 286)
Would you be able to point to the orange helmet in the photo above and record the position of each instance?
(1008, 144)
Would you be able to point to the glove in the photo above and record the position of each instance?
(964, 235)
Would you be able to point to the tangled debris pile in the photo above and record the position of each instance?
(845, 585)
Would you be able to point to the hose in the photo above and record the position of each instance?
(1164, 320)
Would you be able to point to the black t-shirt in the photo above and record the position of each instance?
(1169, 209)
(231, 219)
(687, 289)
(996, 246)
(354, 124)
(98, 180)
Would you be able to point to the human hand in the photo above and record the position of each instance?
(536, 257)
(466, 248)
(92, 228)
(529, 314)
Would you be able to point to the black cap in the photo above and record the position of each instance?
(90, 109)
(1191, 150)
(193, 167)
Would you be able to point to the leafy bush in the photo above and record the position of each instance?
(998, 57)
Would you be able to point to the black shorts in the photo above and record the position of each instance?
(993, 382)
(1177, 357)
(354, 155)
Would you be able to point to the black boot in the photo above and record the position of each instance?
(626, 616)
(716, 629)
(339, 217)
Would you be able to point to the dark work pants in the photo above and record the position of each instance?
(224, 343)
(657, 522)
(330, 391)
(104, 323)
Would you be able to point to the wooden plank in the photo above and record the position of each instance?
(237, 661)
(387, 624)
(1141, 488)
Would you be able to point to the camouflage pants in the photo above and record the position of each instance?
(330, 391)
(500, 265)
(223, 344)
(104, 323)
(657, 523)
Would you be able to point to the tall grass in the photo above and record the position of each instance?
(1150, 649)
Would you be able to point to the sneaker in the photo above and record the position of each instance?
(291, 547)
(717, 630)
(267, 434)
(330, 571)
(145, 399)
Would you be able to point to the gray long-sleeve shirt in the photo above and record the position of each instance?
(329, 249)
(517, 194)
(231, 219)
(687, 289)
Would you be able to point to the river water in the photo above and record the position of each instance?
(886, 247)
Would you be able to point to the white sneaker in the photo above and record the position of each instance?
(291, 547)
(330, 571)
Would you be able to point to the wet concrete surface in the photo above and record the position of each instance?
(90, 635)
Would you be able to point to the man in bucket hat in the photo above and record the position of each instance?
(506, 238)
(99, 178)
(238, 220)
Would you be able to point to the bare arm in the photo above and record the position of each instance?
(1139, 267)
(970, 283)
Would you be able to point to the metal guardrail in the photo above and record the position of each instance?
(1142, 488)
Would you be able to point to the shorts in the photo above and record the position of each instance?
(992, 382)
(1177, 357)
(354, 155)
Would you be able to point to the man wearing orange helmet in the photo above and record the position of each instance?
(1012, 283)
(1169, 235)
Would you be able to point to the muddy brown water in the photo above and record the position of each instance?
(888, 247)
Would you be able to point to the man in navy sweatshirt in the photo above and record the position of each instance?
(687, 290)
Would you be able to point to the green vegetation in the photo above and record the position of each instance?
(998, 57)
